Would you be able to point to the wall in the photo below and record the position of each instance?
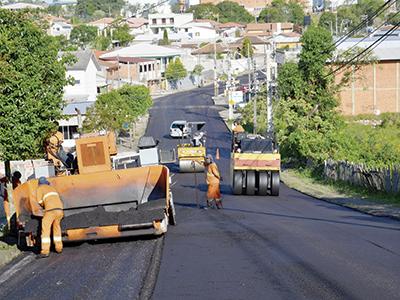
(87, 84)
(375, 89)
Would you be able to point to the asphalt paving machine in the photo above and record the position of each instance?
(255, 165)
(99, 201)
(191, 155)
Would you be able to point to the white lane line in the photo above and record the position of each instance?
(15, 268)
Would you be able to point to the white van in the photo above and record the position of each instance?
(179, 129)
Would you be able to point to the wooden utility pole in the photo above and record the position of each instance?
(215, 70)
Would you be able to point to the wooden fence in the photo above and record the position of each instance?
(377, 179)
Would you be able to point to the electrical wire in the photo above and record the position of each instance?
(367, 50)
(380, 10)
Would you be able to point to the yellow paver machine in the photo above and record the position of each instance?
(100, 202)
(255, 165)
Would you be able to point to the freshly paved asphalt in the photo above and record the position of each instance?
(287, 247)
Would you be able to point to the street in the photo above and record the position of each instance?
(287, 247)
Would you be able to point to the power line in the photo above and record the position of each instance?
(368, 49)
(366, 21)
(375, 30)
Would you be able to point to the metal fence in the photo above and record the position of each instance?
(377, 179)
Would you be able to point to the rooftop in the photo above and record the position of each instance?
(83, 59)
(143, 50)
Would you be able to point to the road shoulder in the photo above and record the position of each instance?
(330, 194)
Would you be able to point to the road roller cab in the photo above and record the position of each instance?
(255, 165)
(191, 155)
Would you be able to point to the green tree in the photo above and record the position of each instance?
(282, 11)
(87, 8)
(165, 39)
(327, 20)
(205, 11)
(175, 71)
(247, 48)
(102, 42)
(306, 116)
(32, 79)
(233, 12)
(117, 107)
(121, 32)
(248, 112)
(83, 35)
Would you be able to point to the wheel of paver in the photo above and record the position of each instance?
(275, 184)
(237, 183)
(251, 183)
(263, 184)
(171, 212)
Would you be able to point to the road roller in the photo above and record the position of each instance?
(191, 155)
(255, 165)
(99, 202)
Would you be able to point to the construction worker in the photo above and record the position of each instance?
(16, 179)
(50, 200)
(237, 128)
(4, 197)
(213, 179)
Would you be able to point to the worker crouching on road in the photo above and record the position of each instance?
(213, 181)
(48, 197)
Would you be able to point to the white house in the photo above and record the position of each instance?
(169, 22)
(199, 31)
(81, 95)
(163, 54)
(58, 28)
(102, 25)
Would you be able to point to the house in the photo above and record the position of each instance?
(160, 22)
(130, 70)
(260, 46)
(230, 29)
(198, 31)
(373, 88)
(137, 25)
(289, 40)
(58, 28)
(81, 94)
(159, 53)
(102, 25)
(268, 29)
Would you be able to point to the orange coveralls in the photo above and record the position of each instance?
(213, 180)
(48, 197)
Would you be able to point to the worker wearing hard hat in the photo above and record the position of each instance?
(213, 179)
(237, 128)
(48, 197)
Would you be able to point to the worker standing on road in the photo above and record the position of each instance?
(213, 181)
(48, 197)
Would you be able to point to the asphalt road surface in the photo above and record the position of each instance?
(287, 247)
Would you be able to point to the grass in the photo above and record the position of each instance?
(308, 182)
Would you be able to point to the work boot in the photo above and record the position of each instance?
(42, 255)
(219, 203)
(209, 204)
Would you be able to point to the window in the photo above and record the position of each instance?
(68, 131)
(197, 34)
(154, 21)
(171, 20)
(150, 67)
(186, 29)
(140, 68)
(77, 82)
(145, 68)
(163, 21)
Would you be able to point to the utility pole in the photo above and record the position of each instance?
(255, 85)
(229, 86)
(269, 93)
(249, 70)
(215, 70)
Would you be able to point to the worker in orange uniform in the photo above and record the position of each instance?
(213, 179)
(237, 128)
(48, 197)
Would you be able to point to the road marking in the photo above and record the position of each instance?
(15, 268)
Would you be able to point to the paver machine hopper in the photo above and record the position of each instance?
(100, 202)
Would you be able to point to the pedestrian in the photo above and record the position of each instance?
(213, 179)
(16, 179)
(50, 200)
(4, 197)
